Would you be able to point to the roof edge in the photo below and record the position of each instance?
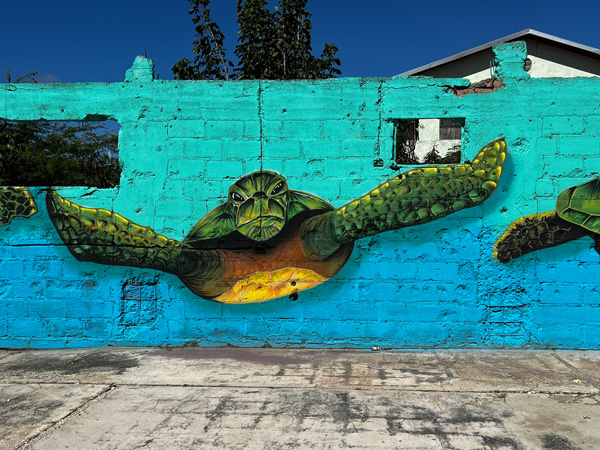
(559, 42)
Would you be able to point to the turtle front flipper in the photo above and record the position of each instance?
(411, 198)
(105, 237)
(15, 201)
(534, 232)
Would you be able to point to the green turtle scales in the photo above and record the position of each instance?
(15, 201)
(577, 215)
(580, 205)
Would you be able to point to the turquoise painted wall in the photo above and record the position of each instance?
(183, 143)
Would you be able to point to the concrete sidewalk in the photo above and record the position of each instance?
(230, 398)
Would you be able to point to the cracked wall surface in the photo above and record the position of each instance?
(183, 143)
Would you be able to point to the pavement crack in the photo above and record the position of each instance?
(216, 414)
(321, 387)
(579, 373)
(145, 444)
(60, 422)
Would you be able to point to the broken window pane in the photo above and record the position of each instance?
(450, 129)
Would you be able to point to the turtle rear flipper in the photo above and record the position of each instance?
(535, 232)
(15, 201)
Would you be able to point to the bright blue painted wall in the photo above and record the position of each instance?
(433, 286)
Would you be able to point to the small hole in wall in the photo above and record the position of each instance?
(60, 153)
(428, 141)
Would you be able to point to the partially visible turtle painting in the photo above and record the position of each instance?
(577, 214)
(15, 201)
(267, 241)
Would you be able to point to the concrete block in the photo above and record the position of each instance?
(397, 271)
(579, 145)
(506, 329)
(193, 148)
(272, 128)
(186, 168)
(302, 128)
(320, 149)
(185, 129)
(590, 294)
(566, 293)
(545, 188)
(224, 129)
(358, 148)
(342, 129)
(220, 169)
(241, 150)
(571, 167)
(547, 146)
(279, 148)
(592, 125)
(506, 314)
(201, 190)
(562, 125)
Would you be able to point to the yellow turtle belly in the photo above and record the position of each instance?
(249, 274)
(262, 286)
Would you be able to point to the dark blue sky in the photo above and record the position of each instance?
(69, 41)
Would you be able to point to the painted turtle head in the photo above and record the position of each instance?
(259, 203)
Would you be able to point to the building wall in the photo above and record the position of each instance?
(475, 67)
(436, 285)
(548, 61)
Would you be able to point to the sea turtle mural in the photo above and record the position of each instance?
(577, 214)
(267, 241)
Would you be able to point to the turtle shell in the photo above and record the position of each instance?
(581, 205)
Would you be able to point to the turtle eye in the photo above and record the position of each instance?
(236, 197)
(278, 187)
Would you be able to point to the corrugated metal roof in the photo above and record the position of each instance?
(528, 33)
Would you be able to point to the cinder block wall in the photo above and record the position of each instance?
(434, 286)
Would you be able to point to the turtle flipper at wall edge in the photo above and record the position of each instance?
(411, 198)
(267, 241)
(577, 214)
(15, 201)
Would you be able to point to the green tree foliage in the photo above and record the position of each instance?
(271, 45)
(432, 157)
(210, 62)
(407, 135)
(257, 41)
(53, 153)
(452, 157)
(58, 154)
